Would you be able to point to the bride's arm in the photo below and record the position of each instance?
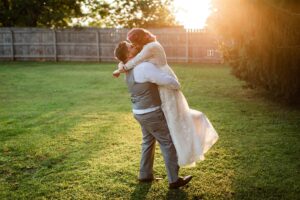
(145, 54)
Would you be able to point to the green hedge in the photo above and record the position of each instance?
(265, 45)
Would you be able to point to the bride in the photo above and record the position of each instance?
(191, 131)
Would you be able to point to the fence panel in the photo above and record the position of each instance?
(109, 38)
(6, 45)
(91, 44)
(174, 42)
(33, 44)
(76, 45)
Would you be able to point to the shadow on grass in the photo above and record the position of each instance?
(267, 192)
(176, 194)
(141, 190)
(43, 158)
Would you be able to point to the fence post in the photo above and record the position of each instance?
(98, 47)
(54, 45)
(12, 50)
(186, 46)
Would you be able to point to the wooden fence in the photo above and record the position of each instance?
(90, 44)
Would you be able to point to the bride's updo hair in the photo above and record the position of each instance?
(140, 36)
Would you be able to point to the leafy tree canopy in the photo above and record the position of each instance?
(100, 13)
(136, 13)
(39, 13)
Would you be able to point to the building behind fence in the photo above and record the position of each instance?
(91, 44)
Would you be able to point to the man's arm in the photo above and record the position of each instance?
(147, 72)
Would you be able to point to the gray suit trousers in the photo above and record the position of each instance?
(154, 127)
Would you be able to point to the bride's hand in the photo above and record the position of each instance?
(116, 73)
(121, 67)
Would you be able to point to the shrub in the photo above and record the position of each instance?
(265, 47)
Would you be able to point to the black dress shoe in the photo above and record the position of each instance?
(148, 180)
(180, 182)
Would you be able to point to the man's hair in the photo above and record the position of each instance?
(121, 51)
(140, 36)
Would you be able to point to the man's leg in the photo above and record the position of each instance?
(156, 125)
(147, 156)
(162, 135)
(170, 157)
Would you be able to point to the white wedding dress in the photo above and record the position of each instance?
(191, 131)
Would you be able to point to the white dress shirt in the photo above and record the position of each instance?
(148, 72)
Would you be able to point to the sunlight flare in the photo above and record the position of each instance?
(192, 14)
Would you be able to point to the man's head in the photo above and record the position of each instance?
(125, 51)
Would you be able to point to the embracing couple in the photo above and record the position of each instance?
(184, 134)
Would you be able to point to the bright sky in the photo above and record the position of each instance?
(192, 13)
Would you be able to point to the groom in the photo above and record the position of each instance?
(142, 82)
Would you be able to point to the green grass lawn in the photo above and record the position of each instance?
(67, 132)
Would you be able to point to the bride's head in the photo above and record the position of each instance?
(140, 36)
